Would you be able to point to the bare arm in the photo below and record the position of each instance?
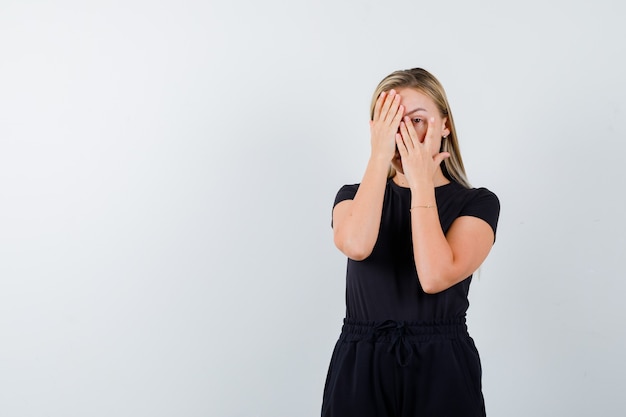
(356, 222)
(445, 260)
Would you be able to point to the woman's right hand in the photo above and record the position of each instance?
(356, 222)
(388, 113)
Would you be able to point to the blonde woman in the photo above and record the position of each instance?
(414, 232)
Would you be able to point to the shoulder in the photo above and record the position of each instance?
(484, 196)
(484, 204)
(476, 202)
(470, 196)
(346, 192)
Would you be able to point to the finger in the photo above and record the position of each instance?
(401, 146)
(379, 104)
(390, 98)
(408, 140)
(411, 131)
(395, 122)
(393, 104)
(440, 157)
(430, 131)
(394, 108)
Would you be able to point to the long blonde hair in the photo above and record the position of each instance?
(423, 81)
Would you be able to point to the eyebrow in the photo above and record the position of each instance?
(416, 110)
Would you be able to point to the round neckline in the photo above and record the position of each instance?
(408, 189)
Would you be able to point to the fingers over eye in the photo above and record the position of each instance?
(430, 129)
(405, 132)
(409, 127)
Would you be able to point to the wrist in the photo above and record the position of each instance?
(423, 206)
(423, 195)
(380, 161)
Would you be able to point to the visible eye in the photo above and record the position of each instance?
(416, 120)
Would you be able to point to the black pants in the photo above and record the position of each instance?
(400, 369)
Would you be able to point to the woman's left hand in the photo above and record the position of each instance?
(420, 159)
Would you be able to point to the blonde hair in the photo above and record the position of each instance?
(423, 81)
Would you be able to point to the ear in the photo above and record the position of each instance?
(444, 128)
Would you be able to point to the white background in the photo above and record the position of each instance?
(167, 173)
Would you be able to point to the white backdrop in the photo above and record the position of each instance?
(167, 172)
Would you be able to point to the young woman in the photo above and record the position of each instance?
(414, 231)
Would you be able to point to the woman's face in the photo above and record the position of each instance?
(420, 108)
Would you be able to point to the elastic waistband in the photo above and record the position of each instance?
(389, 329)
(400, 336)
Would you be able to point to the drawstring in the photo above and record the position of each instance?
(398, 339)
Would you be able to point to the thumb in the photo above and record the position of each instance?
(440, 157)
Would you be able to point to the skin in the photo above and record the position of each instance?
(406, 132)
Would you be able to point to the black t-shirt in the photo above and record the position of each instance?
(385, 286)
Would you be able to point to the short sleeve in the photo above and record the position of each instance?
(347, 192)
(486, 206)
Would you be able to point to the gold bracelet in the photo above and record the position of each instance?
(426, 206)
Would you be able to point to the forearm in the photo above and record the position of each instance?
(357, 222)
(433, 256)
(357, 233)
